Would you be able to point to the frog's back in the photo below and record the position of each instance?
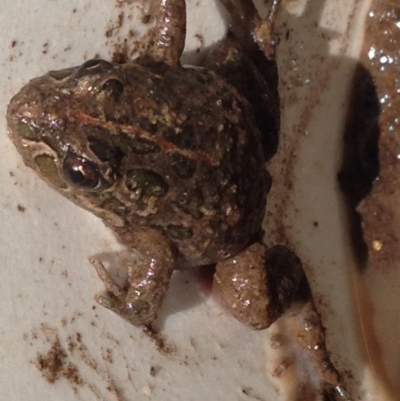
(201, 179)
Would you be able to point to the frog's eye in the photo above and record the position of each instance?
(81, 173)
(94, 66)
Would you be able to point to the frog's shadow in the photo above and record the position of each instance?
(184, 292)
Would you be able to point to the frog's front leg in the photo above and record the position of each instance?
(258, 284)
(170, 31)
(139, 300)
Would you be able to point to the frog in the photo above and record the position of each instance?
(172, 159)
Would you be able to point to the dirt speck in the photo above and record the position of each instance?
(45, 48)
(64, 358)
(115, 26)
(159, 341)
(249, 392)
(107, 355)
(120, 54)
(54, 365)
(146, 19)
(154, 370)
(75, 316)
(192, 342)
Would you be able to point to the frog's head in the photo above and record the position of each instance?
(61, 125)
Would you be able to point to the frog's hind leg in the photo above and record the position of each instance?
(170, 31)
(259, 284)
(249, 28)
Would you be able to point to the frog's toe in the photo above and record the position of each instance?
(105, 301)
(111, 286)
(137, 313)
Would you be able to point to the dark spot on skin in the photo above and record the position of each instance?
(190, 202)
(21, 208)
(110, 116)
(105, 151)
(182, 166)
(114, 87)
(227, 103)
(146, 182)
(147, 126)
(203, 77)
(315, 224)
(183, 139)
(177, 233)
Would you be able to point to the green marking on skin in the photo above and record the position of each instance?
(48, 168)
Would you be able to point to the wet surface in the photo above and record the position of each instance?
(370, 179)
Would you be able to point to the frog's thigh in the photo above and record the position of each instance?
(258, 285)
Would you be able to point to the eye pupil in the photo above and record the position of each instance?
(77, 175)
(80, 172)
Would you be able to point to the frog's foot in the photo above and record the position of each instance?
(139, 300)
(245, 20)
(115, 299)
(120, 300)
(258, 285)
